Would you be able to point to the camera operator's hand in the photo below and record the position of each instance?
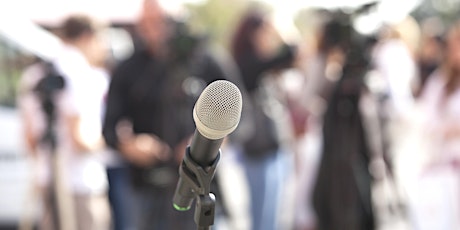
(144, 149)
(141, 149)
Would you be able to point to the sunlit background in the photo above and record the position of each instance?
(25, 27)
(19, 18)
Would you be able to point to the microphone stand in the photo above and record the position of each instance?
(198, 181)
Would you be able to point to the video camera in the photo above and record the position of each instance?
(48, 86)
(182, 42)
(46, 89)
(339, 31)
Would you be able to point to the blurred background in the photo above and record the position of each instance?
(402, 198)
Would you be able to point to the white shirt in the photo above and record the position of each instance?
(441, 113)
(398, 69)
(84, 96)
(434, 191)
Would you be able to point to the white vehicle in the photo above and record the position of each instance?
(14, 170)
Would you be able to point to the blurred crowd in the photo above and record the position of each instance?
(342, 130)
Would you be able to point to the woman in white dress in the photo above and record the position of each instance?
(441, 175)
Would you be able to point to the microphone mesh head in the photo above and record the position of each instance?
(217, 111)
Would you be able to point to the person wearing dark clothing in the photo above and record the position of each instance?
(342, 192)
(250, 55)
(149, 113)
(253, 67)
(429, 59)
(261, 156)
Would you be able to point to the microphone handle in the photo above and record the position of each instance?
(197, 169)
(204, 151)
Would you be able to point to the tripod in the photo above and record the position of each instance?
(49, 139)
(46, 90)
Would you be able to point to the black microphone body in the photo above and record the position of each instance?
(204, 151)
(216, 114)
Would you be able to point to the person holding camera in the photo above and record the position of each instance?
(63, 129)
(149, 112)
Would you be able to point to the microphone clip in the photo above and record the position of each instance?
(195, 182)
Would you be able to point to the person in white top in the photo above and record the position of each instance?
(439, 203)
(79, 111)
(395, 63)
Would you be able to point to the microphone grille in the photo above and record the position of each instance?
(217, 111)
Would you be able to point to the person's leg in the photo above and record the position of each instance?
(149, 209)
(100, 212)
(157, 211)
(235, 190)
(82, 213)
(121, 198)
(275, 176)
(92, 212)
(47, 216)
(140, 207)
(255, 174)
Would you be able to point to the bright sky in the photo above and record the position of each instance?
(53, 10)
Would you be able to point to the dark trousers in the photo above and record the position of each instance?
(121, 198)
(155, 211)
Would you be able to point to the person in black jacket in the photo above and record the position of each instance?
(342, 191)
(149, 112)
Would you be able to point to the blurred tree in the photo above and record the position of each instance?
(12, 62)
(447, 10)
(218, 18)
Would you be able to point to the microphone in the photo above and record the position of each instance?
(216, 114)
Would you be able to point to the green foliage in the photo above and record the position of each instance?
(12, 63)
(218, 18)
